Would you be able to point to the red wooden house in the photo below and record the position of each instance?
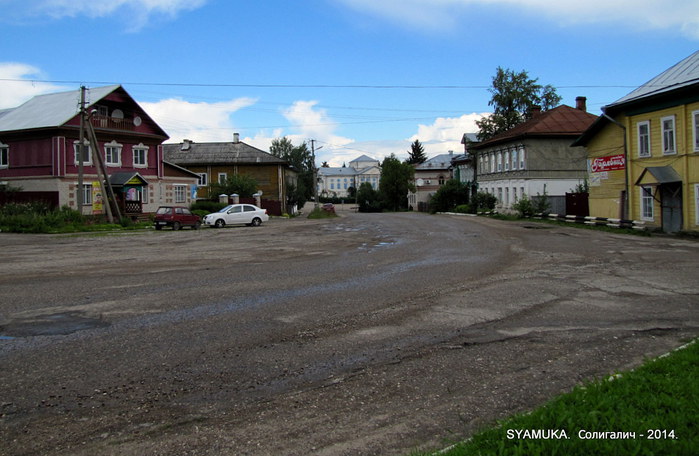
(39, 152)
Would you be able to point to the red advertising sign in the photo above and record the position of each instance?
(610, 163)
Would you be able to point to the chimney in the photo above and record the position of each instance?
(536, 110)
(186, 144)
(236, 138)
(581, 103)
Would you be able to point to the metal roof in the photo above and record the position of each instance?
(50, 110)
(683, 74)
(219, 153)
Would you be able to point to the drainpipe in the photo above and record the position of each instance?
(625, 212)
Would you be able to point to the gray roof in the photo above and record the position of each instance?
(442, 161)
(218, 153)
(51, 110)
(364, 158)
(683, 74)
(336, 171)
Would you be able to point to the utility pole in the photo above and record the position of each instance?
(81, 151)
(315, 174)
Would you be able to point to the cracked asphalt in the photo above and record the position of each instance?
(369, 334)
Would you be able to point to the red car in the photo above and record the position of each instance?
(176, 217)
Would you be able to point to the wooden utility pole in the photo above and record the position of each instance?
(107, 190)
(315, 174)
(81, 151)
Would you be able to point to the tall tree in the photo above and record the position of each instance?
(513, 97)
(301, 159)
(396, 181)
(416, 154)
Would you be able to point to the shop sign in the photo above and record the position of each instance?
(609, 163)
(97, 204)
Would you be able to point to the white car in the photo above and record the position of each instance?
(237, 214)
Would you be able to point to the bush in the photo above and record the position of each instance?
(484, 201)
(453, 193)
(524, 207)
(207, 206)
(464, 209)
(38, 218)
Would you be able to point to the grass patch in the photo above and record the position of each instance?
(659, 402)
(321, 214)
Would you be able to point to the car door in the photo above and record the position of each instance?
(235, 215)
(250, 212)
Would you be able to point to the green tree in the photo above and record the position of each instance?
(240, 184)
(368, 199)
(416, 154)
(513, 97)
(396, 181)
(453, 193)
(301, 160)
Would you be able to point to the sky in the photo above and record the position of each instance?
(359, 77)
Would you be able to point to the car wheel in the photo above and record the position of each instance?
(256, 221)
(196, 226)
(220, 223)
(176, 226)
(158, 227)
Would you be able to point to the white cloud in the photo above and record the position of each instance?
(200, 122)
(16, 85)
(680, 15)
(309, 122)
(139, 12)
(445, 133)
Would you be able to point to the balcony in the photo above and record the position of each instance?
(111, 123)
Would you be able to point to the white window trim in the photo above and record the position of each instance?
(6, 149)
(645, 196)
(645, 123)
(119, 148)
(222, 178)
(87, 193)
(139, 147)
(180, 190)
(696, 204)
(667, 151)
(695, 129)
(203, 180)
(76, 157)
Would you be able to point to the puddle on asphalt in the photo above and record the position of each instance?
(57, 324)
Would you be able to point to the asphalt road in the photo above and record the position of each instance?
(367, 334)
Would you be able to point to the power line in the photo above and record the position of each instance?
(295, 86)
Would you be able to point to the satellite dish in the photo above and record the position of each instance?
(137, 121)
(117, 114)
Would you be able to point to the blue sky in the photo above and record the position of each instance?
(358, 76)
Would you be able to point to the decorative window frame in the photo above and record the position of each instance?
(140, 148)
(76, 156)
(669, 135)
(116, 148)
(642, 139)
(695, 130)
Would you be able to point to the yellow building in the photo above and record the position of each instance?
(643, 152)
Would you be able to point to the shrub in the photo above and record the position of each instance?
(449, 195)
(524, 207)
(207, 206)
(484, 201)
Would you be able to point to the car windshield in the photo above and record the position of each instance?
(163, 210)
(225, 209)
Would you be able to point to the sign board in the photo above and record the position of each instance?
(609, 163)
(97, 205)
